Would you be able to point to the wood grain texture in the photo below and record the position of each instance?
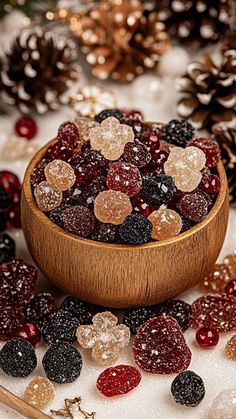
(115, 275)
(10, 400)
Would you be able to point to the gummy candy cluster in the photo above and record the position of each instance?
(117, 179)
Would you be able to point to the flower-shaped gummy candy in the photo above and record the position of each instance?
(111, 137)
(104, 337)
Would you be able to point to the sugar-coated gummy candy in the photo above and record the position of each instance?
(10, 320)
(79, 220)
(230, 348)
(188, 389)
(230, 288)
(118, 380)
(18, 358)
(159, 347)
(47, 196)
(110, 138)
(207, 337)
(39, 393)
(140, 206)
(17, 283)
(60, 174)
(68, 133)
(9, 182)
(209, 147)
(29, 332)
(215, 311)
(84, 125)
(105, 232)
(178, 132)
(106, 113)
(39, 308)
(62, 363)
(37, 176)
(210, 183)
(136, 317)
(217, 279)
(194, 206)
(78, 308)
(124, 177)
(112, 207)
(60, 150)
(88, 165)
(157, 189)
(166, 223)
(7, 248)
(60, 327)
(136, 229)
(136, 153)
(178, 309)
(223, 406)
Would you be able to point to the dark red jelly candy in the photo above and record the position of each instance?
(178, 309)
(30, 332)
(60, 150)
(10, 320)
(209, 147)
(215, 311)
(37, 175)
(136, 153)
(26, 127)
(194, 206)
(39, 308)
(140, 206)
(124, 177)
(9, 182)
(210, 183)
(17, 283)
(159, 347)
(230, 288)
(118, 380)
(206, 337)
(68, 133)
(79, 220)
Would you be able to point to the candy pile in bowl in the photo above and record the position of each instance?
(118, 179)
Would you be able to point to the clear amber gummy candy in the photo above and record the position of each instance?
(39, 393)
(217, 279)
(112, 207)
(166, 223)
(230, 349)
(60, 174)
(47, 196)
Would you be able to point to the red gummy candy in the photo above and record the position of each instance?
(118, 380)
(209, 147)
(17, 283)
(68, 133)
(159, 347)
(9, 182)
(124, 177)
(29, 332)
(26, 127)
(215, 311)
(10, 320)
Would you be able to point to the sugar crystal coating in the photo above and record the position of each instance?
(194, 206)
(118, 380)
(136, 153)
(105, 233)
(62, 363)
(112, 207)
(136, 229)
(159, 347)
(209, 147)
(157, 189)
(230, 261)
(215, 311)
(111, 137)
(37, 175)
(178, 309)
(84, 126)
(17, 283)
(47, 196)
(88, 165)
(104, 337)
(39, 393)
(10, 320)
(78, 308)
(39, 308)
(7, 248)
(188, 389)
(60, 150)
(207, 337)
(60, 174)
(60, 327)
(68, 133)
(136, 317)
(230, 348)
(79, 220)
(223, 406)
(178, 132)
(210, 183)
(166, 223)
(217, 279)
(106, 113)
(124, 177)
(18, 358)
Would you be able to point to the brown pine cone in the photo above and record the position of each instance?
(226, 138)
(209, 91)
(121, 39)
(195, 22)
(37, 71)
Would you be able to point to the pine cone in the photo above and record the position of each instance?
(196, 22)
(121, 39)
(210, 91)
(226, 138)
(37, 71)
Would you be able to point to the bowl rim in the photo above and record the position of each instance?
(27, 191)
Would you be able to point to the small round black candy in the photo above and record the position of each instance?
(62, 363)
(188, 389)
(179, 310)
(60, 327)
(78, 308)
(135, 317)
(7, 248)
(178, 132)
(157, 189)
(136, 229)
(106, 113)
(105, 232)
(18, 358)
(5, 199)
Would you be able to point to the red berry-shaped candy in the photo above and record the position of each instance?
(207, 337)
(209, 147)
(9, 182)
(194, 206)
(37, 175)
(68, 133)
(210, 183)
(60, 150)
(124, 177)
(136, 153)
(88, 165)
(10, 320)
(230, 288)
(140, 206)
(30, 332)
(79, 220)
(39, 308)
(26, 127)
(118, 380)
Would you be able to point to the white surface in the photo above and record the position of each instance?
(152, 398)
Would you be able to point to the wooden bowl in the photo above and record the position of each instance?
(116, 275)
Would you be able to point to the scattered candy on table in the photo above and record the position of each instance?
(39, 392)
(207, 337)
(118, 380)
(188, 389)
